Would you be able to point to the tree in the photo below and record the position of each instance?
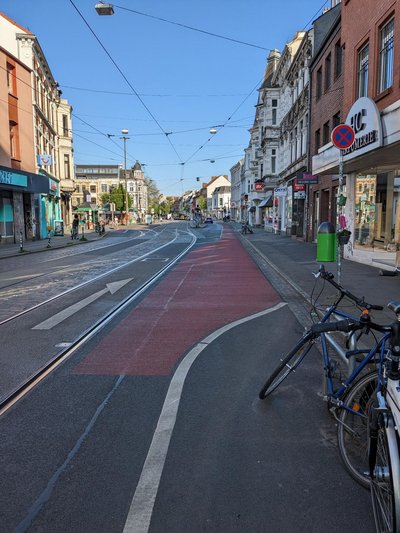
(202, 203)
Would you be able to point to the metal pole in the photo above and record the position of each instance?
(338, 213)
(21, 247)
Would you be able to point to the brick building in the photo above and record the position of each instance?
(370, 33)
(326, 72)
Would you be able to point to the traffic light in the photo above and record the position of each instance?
(197, 179)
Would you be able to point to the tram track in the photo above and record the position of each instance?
(12, 397)
(80, 285)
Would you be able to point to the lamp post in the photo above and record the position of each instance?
(125, 138)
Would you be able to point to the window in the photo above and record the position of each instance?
(338, 59)
(319, 83)
(273, 161)
(11, 79)
(328, 74)
(83, 187)
(325, 134)
(317, 139)
(93, 188)
(67, 174)
(77, 188)
(274, 112)
(336, 119)
(386, 38)
(362, 71)
(104, 187)
(14, 149)
(65, 125)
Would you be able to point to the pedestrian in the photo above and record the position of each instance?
(33, 229)
(75, 227)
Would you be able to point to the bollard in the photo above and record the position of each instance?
(49, 239)
(21, 246)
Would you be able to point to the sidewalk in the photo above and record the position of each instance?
(43, 245)
(296, 261)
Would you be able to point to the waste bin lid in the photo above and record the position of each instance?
(326, 227)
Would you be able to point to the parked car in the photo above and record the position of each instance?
(208, 220)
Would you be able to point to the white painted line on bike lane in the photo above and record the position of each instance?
(141, 508)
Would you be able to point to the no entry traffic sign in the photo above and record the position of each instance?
(343, 136)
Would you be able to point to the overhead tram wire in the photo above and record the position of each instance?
(227, 120)
(126, 79)
(192, 28)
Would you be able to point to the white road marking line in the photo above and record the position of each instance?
(141, 508)
(72, 309)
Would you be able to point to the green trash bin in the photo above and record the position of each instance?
(326, 243)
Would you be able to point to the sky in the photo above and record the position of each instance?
(166, 84)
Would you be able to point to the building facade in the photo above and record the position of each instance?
(371, 105)
(327, 79)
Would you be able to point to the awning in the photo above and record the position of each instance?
(267, 202)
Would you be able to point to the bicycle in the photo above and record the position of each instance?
(246, 228)
(350, 390)
(382, 427)
(197, 222)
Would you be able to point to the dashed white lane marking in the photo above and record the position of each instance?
(141, 508)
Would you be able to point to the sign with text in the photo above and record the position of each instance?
(310, 179)
(365, 119)
(280, 191)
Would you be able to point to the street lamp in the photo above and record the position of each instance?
(104, 9)
(125, 138)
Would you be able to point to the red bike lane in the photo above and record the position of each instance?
(212, 286)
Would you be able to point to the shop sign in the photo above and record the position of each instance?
(12, 178)
(365, 119)
(52, 186)
(280, 191)
(259, 186)
(297, 187)
(302, 177)
(44, 160)
(299, 195)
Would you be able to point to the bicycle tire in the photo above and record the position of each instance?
(295, 357)
(352, 429)
(382, 489)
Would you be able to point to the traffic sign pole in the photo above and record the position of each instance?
(342, 137)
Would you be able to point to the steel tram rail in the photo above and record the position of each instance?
(6, 402)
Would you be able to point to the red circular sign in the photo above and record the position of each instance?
(343, 136)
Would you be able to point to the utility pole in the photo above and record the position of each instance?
(125, 138)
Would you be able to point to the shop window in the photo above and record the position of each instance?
(362, 71)
(386, 52)
(6, 214)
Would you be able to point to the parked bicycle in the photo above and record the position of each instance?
(382, 428)
(350, 398)
(246, 228)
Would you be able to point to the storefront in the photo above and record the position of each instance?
(372, 175)
(19, 215)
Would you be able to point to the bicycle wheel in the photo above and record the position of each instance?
(352, 428)
(386, 467)
(288, 364)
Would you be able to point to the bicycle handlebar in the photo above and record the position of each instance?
(346, 325)
(328, 276)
